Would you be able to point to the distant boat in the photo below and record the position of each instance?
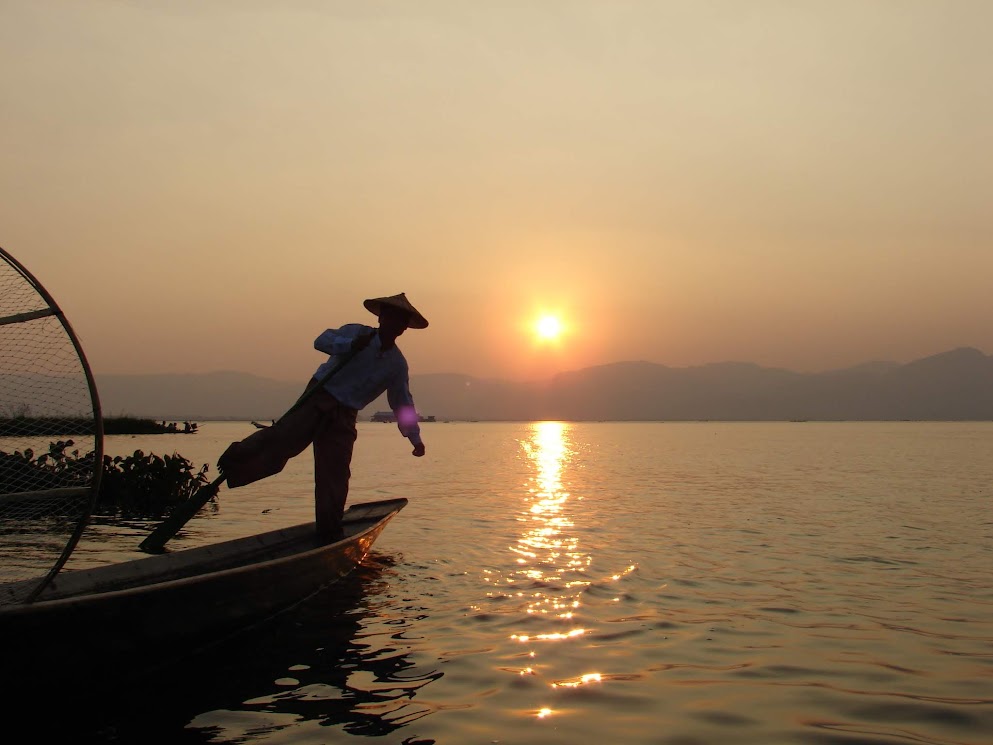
(389, 416)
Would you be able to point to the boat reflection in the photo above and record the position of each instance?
(352, 668)
(336, 663)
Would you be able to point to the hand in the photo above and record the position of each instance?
(418, 450)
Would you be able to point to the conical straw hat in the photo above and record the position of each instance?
(417, 321)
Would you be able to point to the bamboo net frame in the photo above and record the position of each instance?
(51, 435)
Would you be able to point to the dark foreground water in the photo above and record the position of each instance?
(607, 583)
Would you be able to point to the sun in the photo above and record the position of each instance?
(548, 328)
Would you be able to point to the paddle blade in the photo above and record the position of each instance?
(181, 514)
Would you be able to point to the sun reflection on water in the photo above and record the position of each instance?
(551, 563)
(548, 552)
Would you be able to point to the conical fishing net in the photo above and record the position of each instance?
(51, 436)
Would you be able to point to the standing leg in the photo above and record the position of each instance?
(334, 440)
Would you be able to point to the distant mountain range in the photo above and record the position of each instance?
(954, 385)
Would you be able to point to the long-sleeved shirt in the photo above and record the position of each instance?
(368, 374)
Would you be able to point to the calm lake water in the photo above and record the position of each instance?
(611, 583)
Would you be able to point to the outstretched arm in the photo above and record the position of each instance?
(408, 422)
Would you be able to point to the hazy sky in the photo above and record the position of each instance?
(208, 185)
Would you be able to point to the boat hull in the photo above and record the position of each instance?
(162, 606)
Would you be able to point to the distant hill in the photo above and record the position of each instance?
(216, 395)
(954, 385)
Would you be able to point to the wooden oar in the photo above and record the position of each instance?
(183, 512)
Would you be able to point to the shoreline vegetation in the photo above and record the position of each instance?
(125, 425)
(19, 426)
(140, 485)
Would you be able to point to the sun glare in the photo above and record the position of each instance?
(548, 327)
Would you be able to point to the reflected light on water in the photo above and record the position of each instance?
(548, 637)
(580, 681)
(548, 552)
(551, 565)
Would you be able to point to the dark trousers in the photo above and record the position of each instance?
(322, 421)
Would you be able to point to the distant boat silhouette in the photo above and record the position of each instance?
(389, 416)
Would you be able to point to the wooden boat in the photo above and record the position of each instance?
(124, 619)
(149, 609)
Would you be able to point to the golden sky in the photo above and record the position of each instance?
(209, 185)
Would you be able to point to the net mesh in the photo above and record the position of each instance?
(50, 435)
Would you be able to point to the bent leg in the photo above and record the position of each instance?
(266, 451)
